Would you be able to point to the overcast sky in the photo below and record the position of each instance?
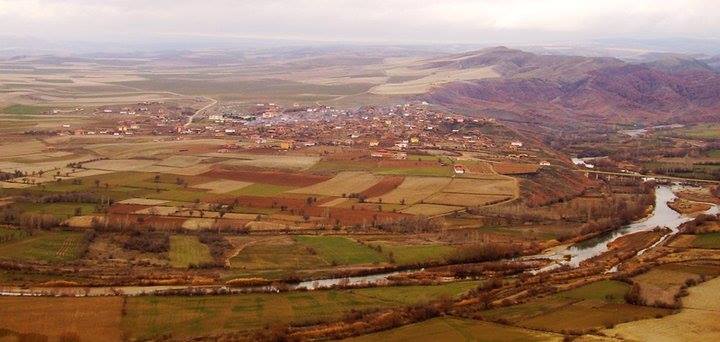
(386, 21)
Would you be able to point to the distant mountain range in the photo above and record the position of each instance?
(572, 89)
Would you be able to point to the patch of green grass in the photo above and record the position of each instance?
(262, 190)
(150, 316)
(187, 250)
(594, 305)
(607, 290)
(43, 246)
(704, 131)
(10, 234)
(457, 329)
(713, 153)
(708, 240)
(274, 256)
(24, 110)
(59, 210)
(340, 251)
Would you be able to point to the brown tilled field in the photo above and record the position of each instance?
(268, 177)
(62, 319)
(507, 168)
(385, 185)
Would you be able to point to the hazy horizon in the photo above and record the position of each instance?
(45, 23)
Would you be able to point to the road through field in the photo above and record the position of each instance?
(192, 117)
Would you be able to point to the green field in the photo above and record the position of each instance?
(705, 131)
(709, 240)
(595, 305)
(43, 246)
(59, 210)
(24, 110)
(715, 153)
(186, 250)
(8, 235)
(186, 316)
(340, 251)
(276, 255)
(262, 190)
(457, 329)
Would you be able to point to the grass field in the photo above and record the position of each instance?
(187, 316)
(595, 305)
(708, 240)
(457, 329)
(186, 250)
(43, 246)
(59, 210)
(24, 110)
(274, 254)
(705, 131)
(340, 250)
(262, 190)
(8, 235)
(661, 284)
(697, 321)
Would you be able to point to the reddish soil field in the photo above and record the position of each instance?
(268, 177)
(126, 208)
(385, 185)
(515, 168)
(348, 216)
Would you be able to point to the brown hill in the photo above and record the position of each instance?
(571, 89)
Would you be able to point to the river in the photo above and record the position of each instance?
(662, 216)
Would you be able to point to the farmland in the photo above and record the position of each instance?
(455, 329)
(691, 323)
(263, 198)
(151, 317)
(187, 250)
(43, 247)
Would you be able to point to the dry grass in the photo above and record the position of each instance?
(430, 209)
(502, 186)
(198, 223)
(435, 78)
(465, 200)
(414, 189)
(91, 319)
(343, 183)
(21, 148)
(697, 321)
(180, 161)
(222, 186)
(119, 164)
(267, 160)
(143, 201)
